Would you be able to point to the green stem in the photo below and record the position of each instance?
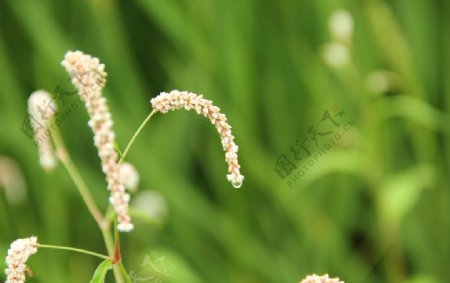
(138, 131)
(76, 177)
(109, 242)
(106, 234)
(75, 250)
(109, 214)
(85, 194)
(125, 273)
(4, 208)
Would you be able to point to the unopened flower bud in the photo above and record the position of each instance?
(129, 176)
(41, 108)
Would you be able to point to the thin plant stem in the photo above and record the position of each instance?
(8, 223)
(116, 146)
(138, 131)
(109, 242)
(125, 273)
(65, 159)
(75, 250)
(109, 214)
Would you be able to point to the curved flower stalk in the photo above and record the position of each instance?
(320, 279)
(175, 100)
(18, 254)
(41, 108)
(89, 78)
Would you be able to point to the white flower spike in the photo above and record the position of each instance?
(175, 100)
(18, 254)
(89, 78)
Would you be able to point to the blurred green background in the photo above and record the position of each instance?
(374, 207)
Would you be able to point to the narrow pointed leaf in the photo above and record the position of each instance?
(100, 272)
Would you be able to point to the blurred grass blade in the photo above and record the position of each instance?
(407, 107)
(400, 193)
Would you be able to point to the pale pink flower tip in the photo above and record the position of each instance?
(320, 279)
(175, 100)
(18, 254)
(86, 72)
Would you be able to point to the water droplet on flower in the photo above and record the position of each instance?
(236, 184)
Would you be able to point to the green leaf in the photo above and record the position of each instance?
(100, 272)
(117, 147)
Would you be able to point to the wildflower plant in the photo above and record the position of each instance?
(89, 77)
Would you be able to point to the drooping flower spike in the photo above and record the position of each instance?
(18, 254)
(175, 100)
(89, 78)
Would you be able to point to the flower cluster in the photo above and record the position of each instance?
(41, 108)
(89, 78)
(320, 279)
(175, 100)
(18, 254)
